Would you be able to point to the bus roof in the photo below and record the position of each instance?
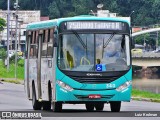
(56, 22)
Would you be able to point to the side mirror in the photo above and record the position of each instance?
(132, 43)
(55, 41)
(55, 35)
(55, 44)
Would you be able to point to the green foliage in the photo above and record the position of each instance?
(21, 63)
(145, 38)
(3, 54)
(2, 24)
(146, 11)
(145, 94)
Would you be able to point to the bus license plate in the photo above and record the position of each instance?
(94, 96)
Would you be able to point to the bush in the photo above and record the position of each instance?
(3, 54)
(21, 63)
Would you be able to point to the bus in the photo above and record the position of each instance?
(78, 60)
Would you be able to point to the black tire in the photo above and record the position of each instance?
(115, 106)
(47, 105)
(99, 106)
(36, 105)
(57, 106)
(89, 106)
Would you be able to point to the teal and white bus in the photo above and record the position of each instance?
(78, 60)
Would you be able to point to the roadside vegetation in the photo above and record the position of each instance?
(11, 73)
(146, 96)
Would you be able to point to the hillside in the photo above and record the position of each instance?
(147, 12)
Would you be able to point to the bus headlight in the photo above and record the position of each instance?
(124, 86)
(64, 86)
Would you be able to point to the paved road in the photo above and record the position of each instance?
(13, 98)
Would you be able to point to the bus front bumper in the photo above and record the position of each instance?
(84, 95)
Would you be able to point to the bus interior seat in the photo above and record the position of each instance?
(68, 59)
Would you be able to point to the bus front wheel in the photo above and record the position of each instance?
(89, 106)
(99, 106)
(46, 105)
(57, 106)
(115, 106)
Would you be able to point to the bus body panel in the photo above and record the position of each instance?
(84, 90)
(33, 75)
(53, 23)
(46, 76)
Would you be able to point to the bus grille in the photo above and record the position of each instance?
(95, 80)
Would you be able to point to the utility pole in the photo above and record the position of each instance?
(16, 6)
(8, 22)
(157, 41)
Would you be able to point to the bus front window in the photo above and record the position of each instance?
(83, 52)
(112, 52)
(77, 52)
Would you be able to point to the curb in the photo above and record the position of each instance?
(146, 99)
(11, 79)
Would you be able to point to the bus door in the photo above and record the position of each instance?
(46, 62)
(31, 61)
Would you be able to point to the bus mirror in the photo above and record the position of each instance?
(55, 44)
(55, 41)
(132, 43)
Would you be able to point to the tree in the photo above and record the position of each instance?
(2, 24)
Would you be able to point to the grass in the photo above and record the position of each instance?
(11, 72)
(140, 95)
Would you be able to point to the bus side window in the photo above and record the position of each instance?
(44, 43)
(50, 43)
(33, 45)
(36, 42)
(31, 49)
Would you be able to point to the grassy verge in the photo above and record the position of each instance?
(144, 95)
(11, 73)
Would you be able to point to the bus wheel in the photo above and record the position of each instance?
(115, 106)
(57, 106)
(89, 106)
(46, 105)
(36, 105)
(99, 106)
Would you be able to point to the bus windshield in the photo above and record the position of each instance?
(94, 52)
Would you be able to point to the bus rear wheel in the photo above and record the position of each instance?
(35, 103)
(99, 106)
(115, 106)
(89, 106)
(57, 106)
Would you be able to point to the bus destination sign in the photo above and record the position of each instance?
(84, 25)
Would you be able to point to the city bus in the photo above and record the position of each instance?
(78, 60)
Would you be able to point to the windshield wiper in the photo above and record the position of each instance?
(80, 39)
(109, 39)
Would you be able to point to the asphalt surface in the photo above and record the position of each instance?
(13, 98)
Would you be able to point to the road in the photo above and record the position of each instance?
(13, 98)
